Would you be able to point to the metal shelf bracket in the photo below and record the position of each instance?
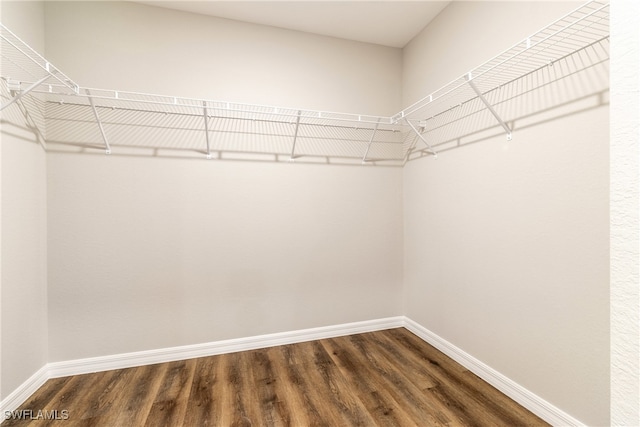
(473, 86)
(422, 138)
(16, 85)
(34, 125)
(375, 129)
(295, 137)
(102, 132)
(206, 128)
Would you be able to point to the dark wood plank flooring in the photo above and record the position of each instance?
(385, 378)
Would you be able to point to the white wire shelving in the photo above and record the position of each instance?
(24, 70)
(217, 128)
(563, 62)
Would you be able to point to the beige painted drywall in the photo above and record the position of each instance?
(150, 252)
(128, 46)
(153, 253)
(24, 225)
(507, 243)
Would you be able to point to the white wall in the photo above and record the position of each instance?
(148, 253)
(126, 46)
(24, 225)
(156, 253)
(507, 244)
(625, 214)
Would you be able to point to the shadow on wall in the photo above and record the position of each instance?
(577, 106)
(162, 127)
(21, 124)
(571, 85)
(157, 129)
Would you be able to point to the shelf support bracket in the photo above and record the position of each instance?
(31, 122)
(102, 132)
(375, 129)
(206, 129)
(410, 149)
(295, 137)
(422, 138)
(24, 92)
(469, 79)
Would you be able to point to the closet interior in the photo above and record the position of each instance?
(387, 204)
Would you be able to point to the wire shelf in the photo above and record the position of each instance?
(563, 62)
(530, 76)
(145, 120)
(23, 69)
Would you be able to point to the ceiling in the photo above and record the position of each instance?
(387, 23)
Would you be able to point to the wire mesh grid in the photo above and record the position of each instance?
(22, 64)
(27, 113)
(159, 122)
(564, 62)
(572, 78)
(584, 26)
(572, 33)
(554, 66)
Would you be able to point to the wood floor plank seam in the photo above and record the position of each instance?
(383, 378)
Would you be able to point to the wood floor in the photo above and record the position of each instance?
(386, 378)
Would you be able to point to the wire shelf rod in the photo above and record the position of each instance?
(419, 104)
(313, 114)
(23, 93)
(47, 67)
(135, 110)
(16, 65)
(570, 45)
(537, 70)
(531, 49)
(591, 64)
(243, 107)
(221, 131)
(33, 52)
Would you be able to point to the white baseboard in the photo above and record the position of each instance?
(524, 397)
(24, 391)
(140, 358)
(529, 400)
